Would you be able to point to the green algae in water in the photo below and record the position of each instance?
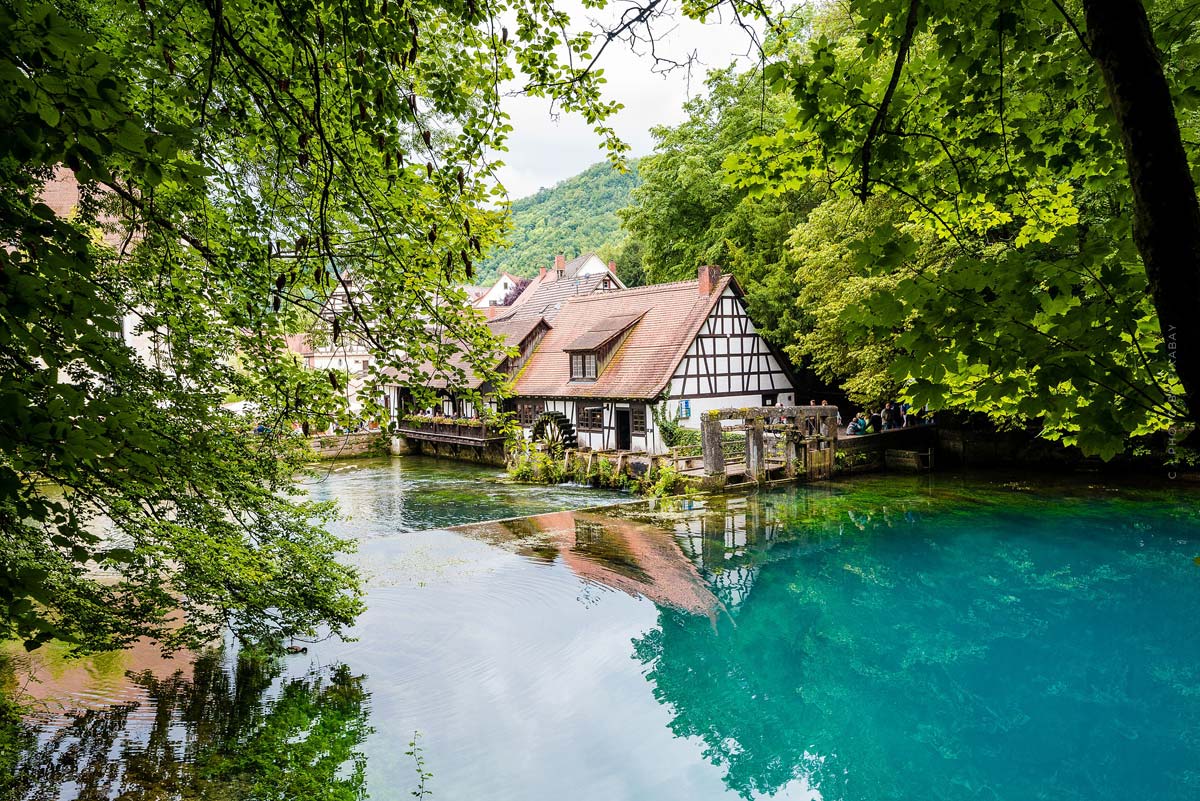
(383, 497)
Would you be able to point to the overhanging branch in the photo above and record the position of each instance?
(910, 30)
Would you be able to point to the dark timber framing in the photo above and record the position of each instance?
(729, 336)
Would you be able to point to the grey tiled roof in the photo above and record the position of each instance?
(545, 298)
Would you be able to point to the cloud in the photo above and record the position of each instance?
(545, 148)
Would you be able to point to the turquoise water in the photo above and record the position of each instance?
(886, 638)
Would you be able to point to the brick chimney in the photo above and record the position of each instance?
(710, 276)
(560, 264)
(612, 267)
(542, 273)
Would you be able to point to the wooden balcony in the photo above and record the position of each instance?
(452, 432)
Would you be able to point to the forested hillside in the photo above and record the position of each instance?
(575, 216)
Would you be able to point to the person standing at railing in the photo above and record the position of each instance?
(891, 417)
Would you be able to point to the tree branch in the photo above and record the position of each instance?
(910, 30)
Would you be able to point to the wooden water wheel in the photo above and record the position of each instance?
(555, 431)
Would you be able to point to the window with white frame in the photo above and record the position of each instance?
(583, 366)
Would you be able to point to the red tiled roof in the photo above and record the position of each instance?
(474, 292)
(61, 193)
(644, 363)
(511, 332)
(571, 268)
(514, 331)
(605, 331)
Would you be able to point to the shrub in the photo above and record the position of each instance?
(550, 470)
(604, 473)
(521, 468)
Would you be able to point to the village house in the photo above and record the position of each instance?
(520, 324)
(61, 193)
(521, 334)
(610, 360)
(597, 363)
(579, 276)
(546, 293)
(348, 354)
(493, 298)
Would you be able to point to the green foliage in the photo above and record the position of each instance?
(537, 467)
(659, 480)
(423, 775)
(836, 292)
(663, 481)
(247, 170)
(669, 429)
(999, 141)
(604, 473)
(418, 420)
(686, 214)
(521, 468)
(573, 217)
(243, 736)
(549, 468)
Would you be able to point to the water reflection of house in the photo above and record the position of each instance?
(638, 558)
(61, 685)
(730, 538)
(723, 542)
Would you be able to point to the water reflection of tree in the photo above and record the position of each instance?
(889, 649)
(221, 734)
(735, 687)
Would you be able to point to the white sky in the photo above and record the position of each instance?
(544, 150)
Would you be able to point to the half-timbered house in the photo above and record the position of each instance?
(447, 383)
(614, 360)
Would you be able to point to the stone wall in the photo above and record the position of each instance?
(348, 446)
(867, 452)
(491, 454)
(917, 438)
(972, 448)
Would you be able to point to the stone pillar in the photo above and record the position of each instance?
(710, 439)
(756, 454)
(712, 532)
(791, 449)
(833, 445)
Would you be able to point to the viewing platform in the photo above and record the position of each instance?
(451, 438)
(457, 432)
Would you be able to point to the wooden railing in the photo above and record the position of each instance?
(437, 428)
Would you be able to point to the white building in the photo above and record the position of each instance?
(496, 294)
(610, 359)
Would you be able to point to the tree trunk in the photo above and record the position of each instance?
(1166, 214)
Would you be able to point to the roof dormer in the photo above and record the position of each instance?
(590, 352)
